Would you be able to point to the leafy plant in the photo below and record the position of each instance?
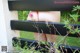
(75, 16)
(76, 8)
(75, 13)
(23, 15)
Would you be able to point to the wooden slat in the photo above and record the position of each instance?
(33, 43)
(43, 5)
(69, 49)
(42, 27)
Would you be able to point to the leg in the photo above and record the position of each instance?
(53, 16)
(40, 37)
(34, 17)
(51, 37)
(56, 18)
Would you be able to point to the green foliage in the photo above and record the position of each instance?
(26, 49)
(75, 15)
(23, 50)
(76, 8)
(22, 15)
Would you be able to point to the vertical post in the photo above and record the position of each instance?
(6, 34)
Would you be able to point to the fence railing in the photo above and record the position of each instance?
(43, 5)
(43, 27)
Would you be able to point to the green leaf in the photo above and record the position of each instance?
(66, 22)
(75, 8)
(74, 16)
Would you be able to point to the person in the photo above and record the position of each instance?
(47, 16)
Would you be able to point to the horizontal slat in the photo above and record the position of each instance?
(23, 42)
(43, 5)
(69, 49)
(41, 27)
(34, 43)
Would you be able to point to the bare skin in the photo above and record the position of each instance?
(47, 16)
